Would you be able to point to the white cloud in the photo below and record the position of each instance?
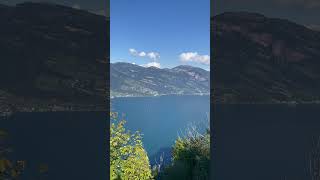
(195, 57)
(151, 55)
(154, 64)
(142, 54)
(133, 52)
(154, 56)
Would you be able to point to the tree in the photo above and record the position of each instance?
(128, 159)
(190, 157)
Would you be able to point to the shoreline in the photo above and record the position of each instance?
(7, 112)
(222, 103)
(133, 96)
(290, 103)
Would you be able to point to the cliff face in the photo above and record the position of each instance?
(257, 59)
(52, 57)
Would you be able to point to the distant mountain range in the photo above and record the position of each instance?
(257, 59)
(52, 58)
(133, 80)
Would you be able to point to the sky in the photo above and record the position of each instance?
(95, 6)
(304, 12)
(160, 33)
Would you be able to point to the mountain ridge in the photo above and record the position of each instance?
(53, 58)
(133, 80)
(257, 59)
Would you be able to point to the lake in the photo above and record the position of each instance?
(264, 142)
(72, 145)
(161, 119)
(251, 141)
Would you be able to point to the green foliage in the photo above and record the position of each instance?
(128, 159)
(191, 158)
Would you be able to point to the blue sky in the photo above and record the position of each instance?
(160, 32)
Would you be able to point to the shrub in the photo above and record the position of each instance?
(191, 158)
(128, 159)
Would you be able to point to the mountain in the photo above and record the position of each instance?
(257, 59)
(52, 58)
(133, 80)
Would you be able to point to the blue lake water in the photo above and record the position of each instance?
(265, 142)
(72, 144)
(162, 119)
